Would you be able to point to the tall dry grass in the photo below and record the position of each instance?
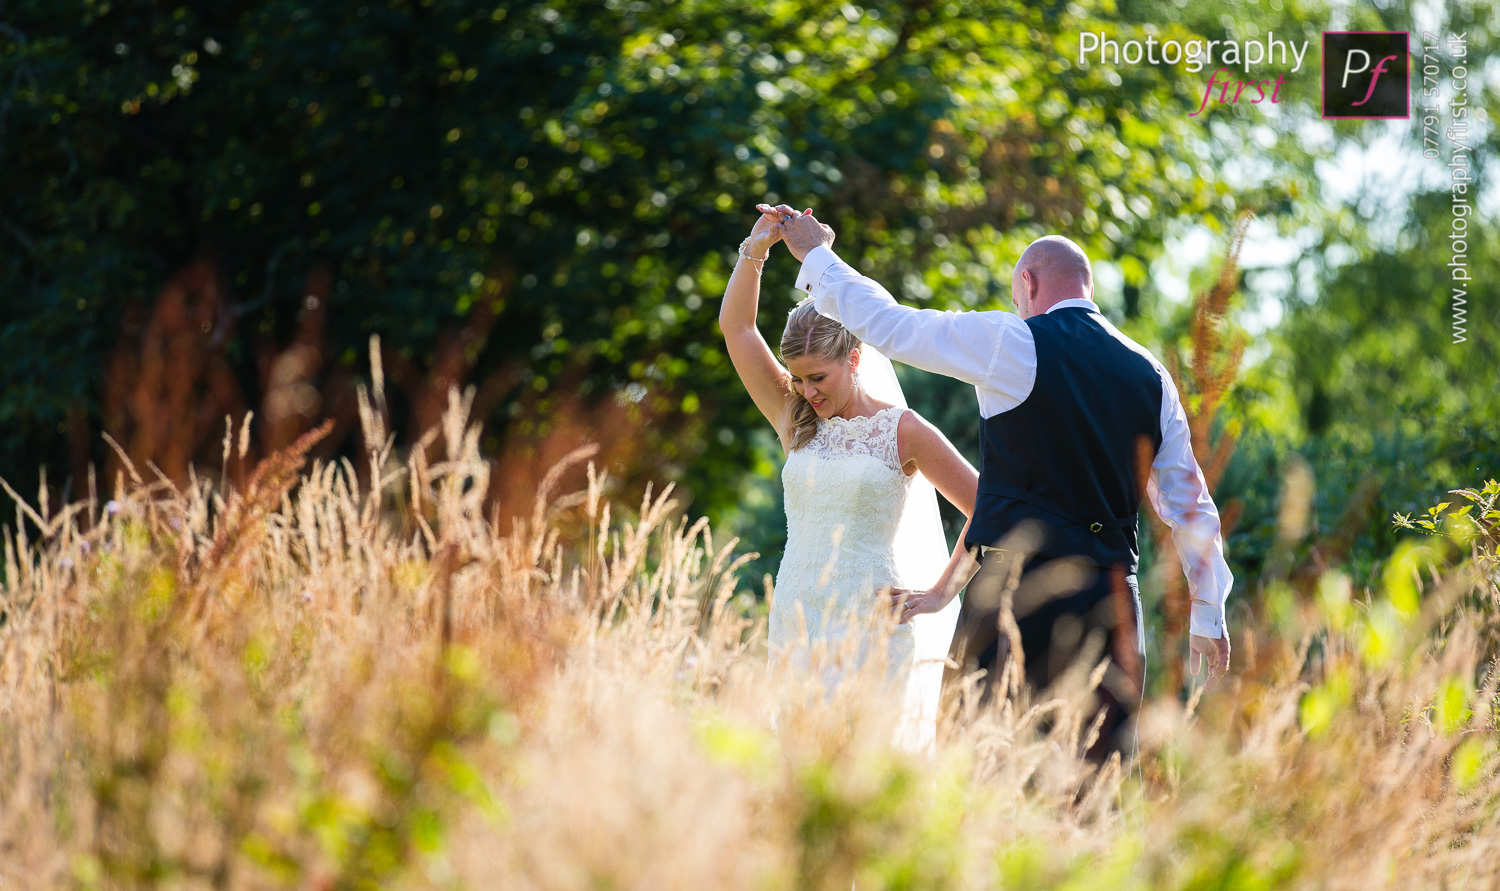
(314, 682)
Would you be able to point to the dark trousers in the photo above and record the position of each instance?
(1060, 606)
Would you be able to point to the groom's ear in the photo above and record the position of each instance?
(1031, 283)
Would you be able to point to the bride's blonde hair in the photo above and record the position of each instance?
(810, 333)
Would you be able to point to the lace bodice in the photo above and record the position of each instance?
(873, 436)
(845, 491)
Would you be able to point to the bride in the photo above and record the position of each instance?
(862, 518)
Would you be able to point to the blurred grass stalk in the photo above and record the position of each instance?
(305, 680)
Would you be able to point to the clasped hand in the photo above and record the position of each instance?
(799, 229)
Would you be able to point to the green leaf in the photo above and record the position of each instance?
(1468, 764)
(1451, 712)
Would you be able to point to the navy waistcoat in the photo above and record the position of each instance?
(1074, 456)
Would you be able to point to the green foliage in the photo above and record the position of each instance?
(1357, 486)
(1479, 520)
(873, 823)
(582, 168)
(411, 772)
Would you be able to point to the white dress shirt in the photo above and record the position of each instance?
(994, 351)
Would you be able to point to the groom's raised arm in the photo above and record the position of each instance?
(970, 346)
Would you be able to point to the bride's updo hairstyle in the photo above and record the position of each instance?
(810, 333)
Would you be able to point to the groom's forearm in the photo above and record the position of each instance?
(1179, 494)
(1200, 549)
(958, 345)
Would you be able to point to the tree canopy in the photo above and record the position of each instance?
(211, 208)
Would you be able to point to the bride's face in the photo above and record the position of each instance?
(827, 384)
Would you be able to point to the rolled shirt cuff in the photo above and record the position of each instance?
(1207, 620)
(814, 265)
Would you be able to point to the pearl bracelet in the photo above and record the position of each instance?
(759, 261)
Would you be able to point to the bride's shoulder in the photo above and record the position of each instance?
(916, 435)
(909, 418)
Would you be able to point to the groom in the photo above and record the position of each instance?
(1077, 423)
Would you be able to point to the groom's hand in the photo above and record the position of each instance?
(803, 232)
(1213, 649)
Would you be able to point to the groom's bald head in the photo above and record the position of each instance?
(1051, 269)
(1056, 259)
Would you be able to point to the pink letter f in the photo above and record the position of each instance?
(1374, 78)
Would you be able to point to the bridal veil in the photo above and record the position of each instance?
(921, 552)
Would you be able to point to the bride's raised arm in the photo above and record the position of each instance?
(765, 378)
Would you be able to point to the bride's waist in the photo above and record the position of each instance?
(819, 537)
(839, 560)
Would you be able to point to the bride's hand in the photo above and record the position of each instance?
(909, 603)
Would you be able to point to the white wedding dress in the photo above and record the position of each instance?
(857, 523)
(845, 491)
